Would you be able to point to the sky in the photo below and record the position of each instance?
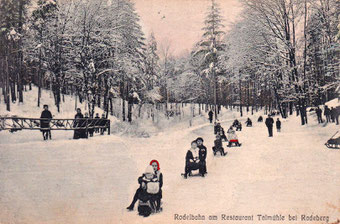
(179, 23)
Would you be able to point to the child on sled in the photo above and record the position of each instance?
(218, 146)
(232, 138)
(146, 193)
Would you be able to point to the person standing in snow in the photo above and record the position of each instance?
(96, 130)
(192, 161)
(333, 113)
(202, 154)
(327, 114)
(157, 197)
(46, 117)
(210, 116)
(269, 123)
(319, 114)
(278, 125)
(78, 123)
(337, 114)
(103, 123)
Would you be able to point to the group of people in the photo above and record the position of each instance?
(270, 123)
(81, 122)
(195, 158)
(149, 193)
(332, 114)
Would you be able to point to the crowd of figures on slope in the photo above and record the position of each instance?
(84, 126)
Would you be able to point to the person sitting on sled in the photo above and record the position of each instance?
(249, 123)
(239, 127)
(235, 123)
(147, 186)
(192, 161)
(217, 128)
(218, 146)
(222, 134)
(232, 137)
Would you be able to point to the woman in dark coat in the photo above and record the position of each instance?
(79, 122)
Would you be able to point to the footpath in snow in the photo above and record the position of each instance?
(93, 180)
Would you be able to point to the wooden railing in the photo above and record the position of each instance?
(22, 123)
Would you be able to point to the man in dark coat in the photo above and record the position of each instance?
(269, 123)
(202, 153)
(210, 116)
(97, 122)
(319, 114)
(46, 115)
(327, 114)
(278, 125)
(79, 123)
(333, 114)
(337, 114)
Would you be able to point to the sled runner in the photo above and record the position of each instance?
(196, 174)
(334, 141)
(193, 175)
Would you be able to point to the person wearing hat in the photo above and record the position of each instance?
(46, 117)
(202, 154)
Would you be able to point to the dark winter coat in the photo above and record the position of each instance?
(78, 123)
(210, 115)
(189, 156)
(278, 124)
(202, 152)
(327, 111)
(269, 122)
(218, 143)
(45, 123)
(318, 112)
(217, 128)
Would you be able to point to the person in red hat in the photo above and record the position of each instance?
(157, 197)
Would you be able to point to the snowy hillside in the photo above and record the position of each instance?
(93, 180)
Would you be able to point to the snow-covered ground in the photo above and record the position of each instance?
(93, 180)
